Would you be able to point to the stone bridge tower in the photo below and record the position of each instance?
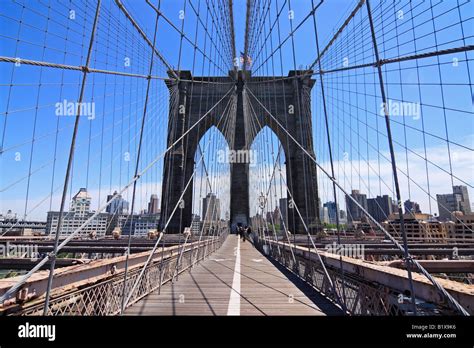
(287, 100)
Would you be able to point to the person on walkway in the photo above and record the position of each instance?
(237, 229)
(242, 233)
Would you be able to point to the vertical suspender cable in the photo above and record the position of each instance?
(137, 166)
(69, 164)
(392, 156)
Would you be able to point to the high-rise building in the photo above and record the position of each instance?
(395, 206)
(380, 207)
(451, 202)
(269, 217)
(446, 205)
(332, 210)
(257, 222)
(81, 203)
(211, 209)
(153, 205)
(324, 215)
(284, 210)
(117, 206)
(412, 207)
(343, 216)
(276, 216)
(463, 199)
(354, 213)
(195, 224)
(78, 214)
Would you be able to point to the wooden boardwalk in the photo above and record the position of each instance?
(236, 280)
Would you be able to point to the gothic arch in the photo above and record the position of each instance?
(242, 89)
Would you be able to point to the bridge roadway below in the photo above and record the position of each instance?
(235, 280)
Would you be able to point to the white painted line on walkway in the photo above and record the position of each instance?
(234, 300)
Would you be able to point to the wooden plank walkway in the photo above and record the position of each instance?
(236, 280)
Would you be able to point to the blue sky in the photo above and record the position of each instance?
(353, 97)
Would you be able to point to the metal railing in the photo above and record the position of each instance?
(361, 296)
(105, 297)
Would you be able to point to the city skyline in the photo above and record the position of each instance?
(125, 204)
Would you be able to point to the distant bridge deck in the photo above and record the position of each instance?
(236, 280)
